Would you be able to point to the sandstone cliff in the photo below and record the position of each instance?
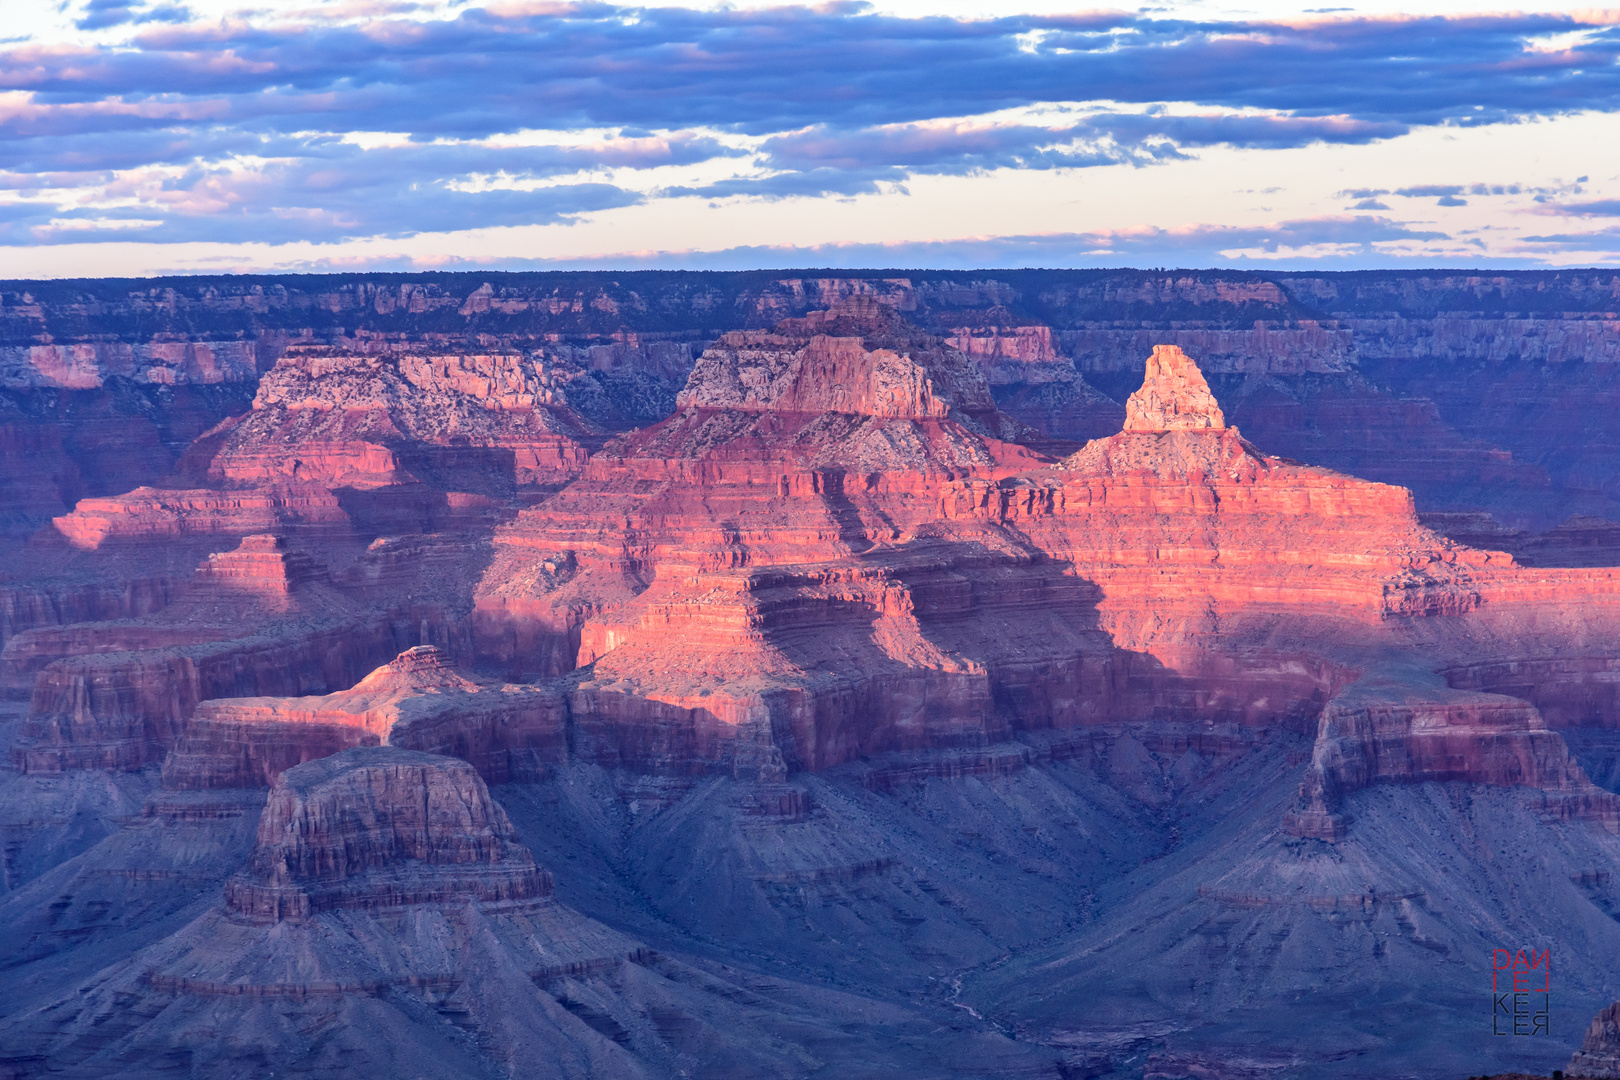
(262, 618)
(830, 672)
(381, 827)
(417, 701)
(1371, 373)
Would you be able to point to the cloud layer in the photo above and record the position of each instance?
(285, 126)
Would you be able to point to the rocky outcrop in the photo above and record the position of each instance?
(262, 619)
(417, 701)
(261, 578)
(743, 614)
(684, 565)
(1405, 726)
(92, 364)
(341, 443)
(1031, 380)
(126, 709)
(1367, 348)
(462, 421)
(857, 358)
(381, 827)
(24, 608)
(1174, 396)
(151, 515)
(832, 550)
(1599, 1055)
(58, 446)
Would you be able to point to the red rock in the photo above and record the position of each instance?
(339, 442)
(381, 827)
(833, 549)
(1400, 726)
(417, 701)
(150, 514)
(227, 592)
(27, 607)
(747, 616)
(123, 710)
(369, 420)
(261, 619)
(743, 616)
(1174, 396)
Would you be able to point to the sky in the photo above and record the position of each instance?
(145, 137)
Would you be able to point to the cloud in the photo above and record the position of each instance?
(778, 69)
(1591, 208)
(218, 127)
(1291, 244)
(101, 14)
(1605, 241)
(1429, 190)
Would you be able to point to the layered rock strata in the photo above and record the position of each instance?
(367, 420)
(1030, 378)
(153, 515)
(1398, 725)
(710, 566)
(340, 443)
(27, 607)
(758, 594)
(836, 548)
(381, 827)
(260, 619)
(735, 614)
(417, 701)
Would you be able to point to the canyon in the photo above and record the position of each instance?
(1076, 674)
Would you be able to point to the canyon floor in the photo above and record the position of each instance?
(873, 679)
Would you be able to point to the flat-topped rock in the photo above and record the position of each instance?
(1404, 725)
(381, 827)
(859, 358)
(338, 417)
(418, 701)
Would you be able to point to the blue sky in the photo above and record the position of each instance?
(146, 136)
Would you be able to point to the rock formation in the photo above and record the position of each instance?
(379, 827)
(116, 695)
(417, 701)
(368, 421)
(740, 615)
(1029, 377)
(1599, 1055)
(817, 656)
(1403, 726)
(1174, 396)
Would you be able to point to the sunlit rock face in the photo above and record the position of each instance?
(1174, 396)
(417, 701)
(739, 612)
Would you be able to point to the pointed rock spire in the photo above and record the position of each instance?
(1173, 397)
